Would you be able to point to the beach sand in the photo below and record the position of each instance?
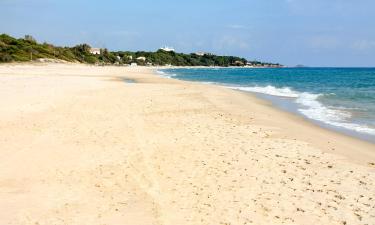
(81, 145)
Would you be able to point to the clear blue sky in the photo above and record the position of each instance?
(309, 32)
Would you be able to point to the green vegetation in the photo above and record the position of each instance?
(28, 49)
(161, 57)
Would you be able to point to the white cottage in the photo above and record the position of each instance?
(142, 58)
(95, 51)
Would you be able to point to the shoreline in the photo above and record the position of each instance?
(83, 144)
(358, 156)
(285, 104)
(276, 102)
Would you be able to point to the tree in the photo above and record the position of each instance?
(83, 48)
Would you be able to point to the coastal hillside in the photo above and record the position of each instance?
(28, 49)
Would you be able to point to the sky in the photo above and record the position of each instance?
(291, 32)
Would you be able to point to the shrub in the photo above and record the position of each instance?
(91, 59)
(4, 57)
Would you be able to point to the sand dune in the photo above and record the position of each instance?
(79, 145)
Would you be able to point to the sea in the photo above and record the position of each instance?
(342, 99)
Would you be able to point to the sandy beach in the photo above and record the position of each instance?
(83, 145)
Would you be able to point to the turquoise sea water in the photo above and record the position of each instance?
(339, 98)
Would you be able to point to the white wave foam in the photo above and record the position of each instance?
(160, 72)
(165, 75)
(312, 108)
(332, 116)
(270, 90)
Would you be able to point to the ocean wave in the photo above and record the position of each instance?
(270, 90)
(165, 75)
(338, 117)
(310, 107)
(208, 82)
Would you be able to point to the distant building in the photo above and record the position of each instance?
(142, 58)
(95, 51)
(167, 49)
(133, 64)
(201, 53)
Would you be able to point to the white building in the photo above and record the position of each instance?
(167, 49)
(95, 51)
(201, 53)
(142, 58)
